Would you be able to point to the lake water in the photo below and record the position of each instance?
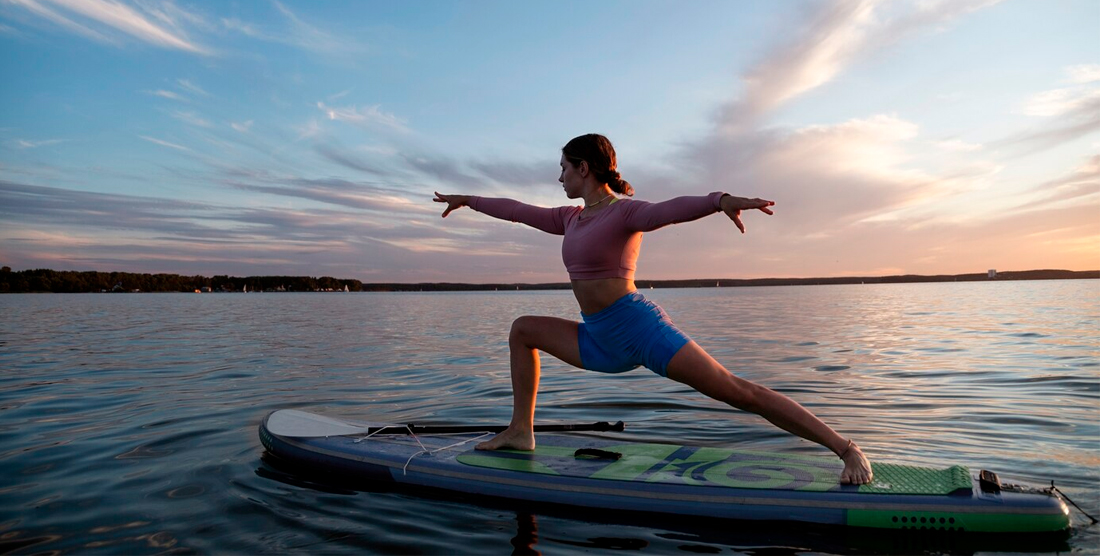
(128, 422)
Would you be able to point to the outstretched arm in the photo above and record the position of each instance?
(550, 220)
(645, 217)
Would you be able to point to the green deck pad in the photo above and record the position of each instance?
(721, 467)
(892, 478)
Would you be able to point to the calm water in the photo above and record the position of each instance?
(128, 422)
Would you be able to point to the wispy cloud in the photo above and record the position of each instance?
(191, 87)
(29, 144)
(117, 18)
(312, 37)
(1083, 181)
(191, 118)
(297, 33)
(830, 38)
(1069, 113)
(349, 160)
(339, 95)
(167, 94)
(164, 143)
(1057, 102)
(59, 228)
(358, 195)
(36, 8)
(243, 127)
(369, 116)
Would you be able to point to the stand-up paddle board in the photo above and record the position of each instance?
(722, 483)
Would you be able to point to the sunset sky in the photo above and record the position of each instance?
(301, 138)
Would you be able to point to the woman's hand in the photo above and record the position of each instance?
(453, 201)
(733, 206)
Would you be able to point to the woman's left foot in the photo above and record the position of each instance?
(517, 439)
(857, 469)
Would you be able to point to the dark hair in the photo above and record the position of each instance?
(597, 151)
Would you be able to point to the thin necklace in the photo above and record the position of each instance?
(590, 205)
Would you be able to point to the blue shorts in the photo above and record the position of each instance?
(630, 332)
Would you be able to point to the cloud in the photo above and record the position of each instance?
(113, 16)
(191, 118)
(1058, 102)
(28, 144)
(309, 130)
(58, 228)
(349, 160)
(297, 33)
(832, 37)
(1083, 181)
(958, 145)
(167, 94)
(192, 88)
(518, 174)
(1069, 113)
(368, 117)
(1085, 73)
(307, 36)
(38, 9)
(341, 94)
(165, 143)
(339, 192)
(442, 168)
(243, 127)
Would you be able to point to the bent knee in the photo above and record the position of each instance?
(523, 330)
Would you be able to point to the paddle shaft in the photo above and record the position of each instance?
(602, 426)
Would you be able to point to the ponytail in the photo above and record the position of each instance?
(617, 184)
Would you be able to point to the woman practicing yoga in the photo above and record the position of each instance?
(621, 329)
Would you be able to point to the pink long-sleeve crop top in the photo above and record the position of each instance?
(605, 244)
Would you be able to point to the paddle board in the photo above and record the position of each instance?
(724, 483)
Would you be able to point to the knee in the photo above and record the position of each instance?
(522, 330)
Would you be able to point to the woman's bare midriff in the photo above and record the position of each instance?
(596, 295)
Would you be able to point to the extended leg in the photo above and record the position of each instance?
(696, 368)
(555, 336)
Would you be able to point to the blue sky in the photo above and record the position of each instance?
(307, 138)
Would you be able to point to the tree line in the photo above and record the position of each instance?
(66, 281)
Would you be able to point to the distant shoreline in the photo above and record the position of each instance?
(55, 281)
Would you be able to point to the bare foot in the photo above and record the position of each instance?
(857, 470)
(510, 439)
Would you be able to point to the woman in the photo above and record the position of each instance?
(621, 329)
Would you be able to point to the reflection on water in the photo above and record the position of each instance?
(129, 421)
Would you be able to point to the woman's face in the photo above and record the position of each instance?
(570, 178)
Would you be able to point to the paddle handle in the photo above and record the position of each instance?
(602, 426)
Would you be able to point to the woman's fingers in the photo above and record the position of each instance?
(443, 199)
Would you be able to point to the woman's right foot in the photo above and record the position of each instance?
(510, 439)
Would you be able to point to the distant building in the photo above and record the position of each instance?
(992, 273)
